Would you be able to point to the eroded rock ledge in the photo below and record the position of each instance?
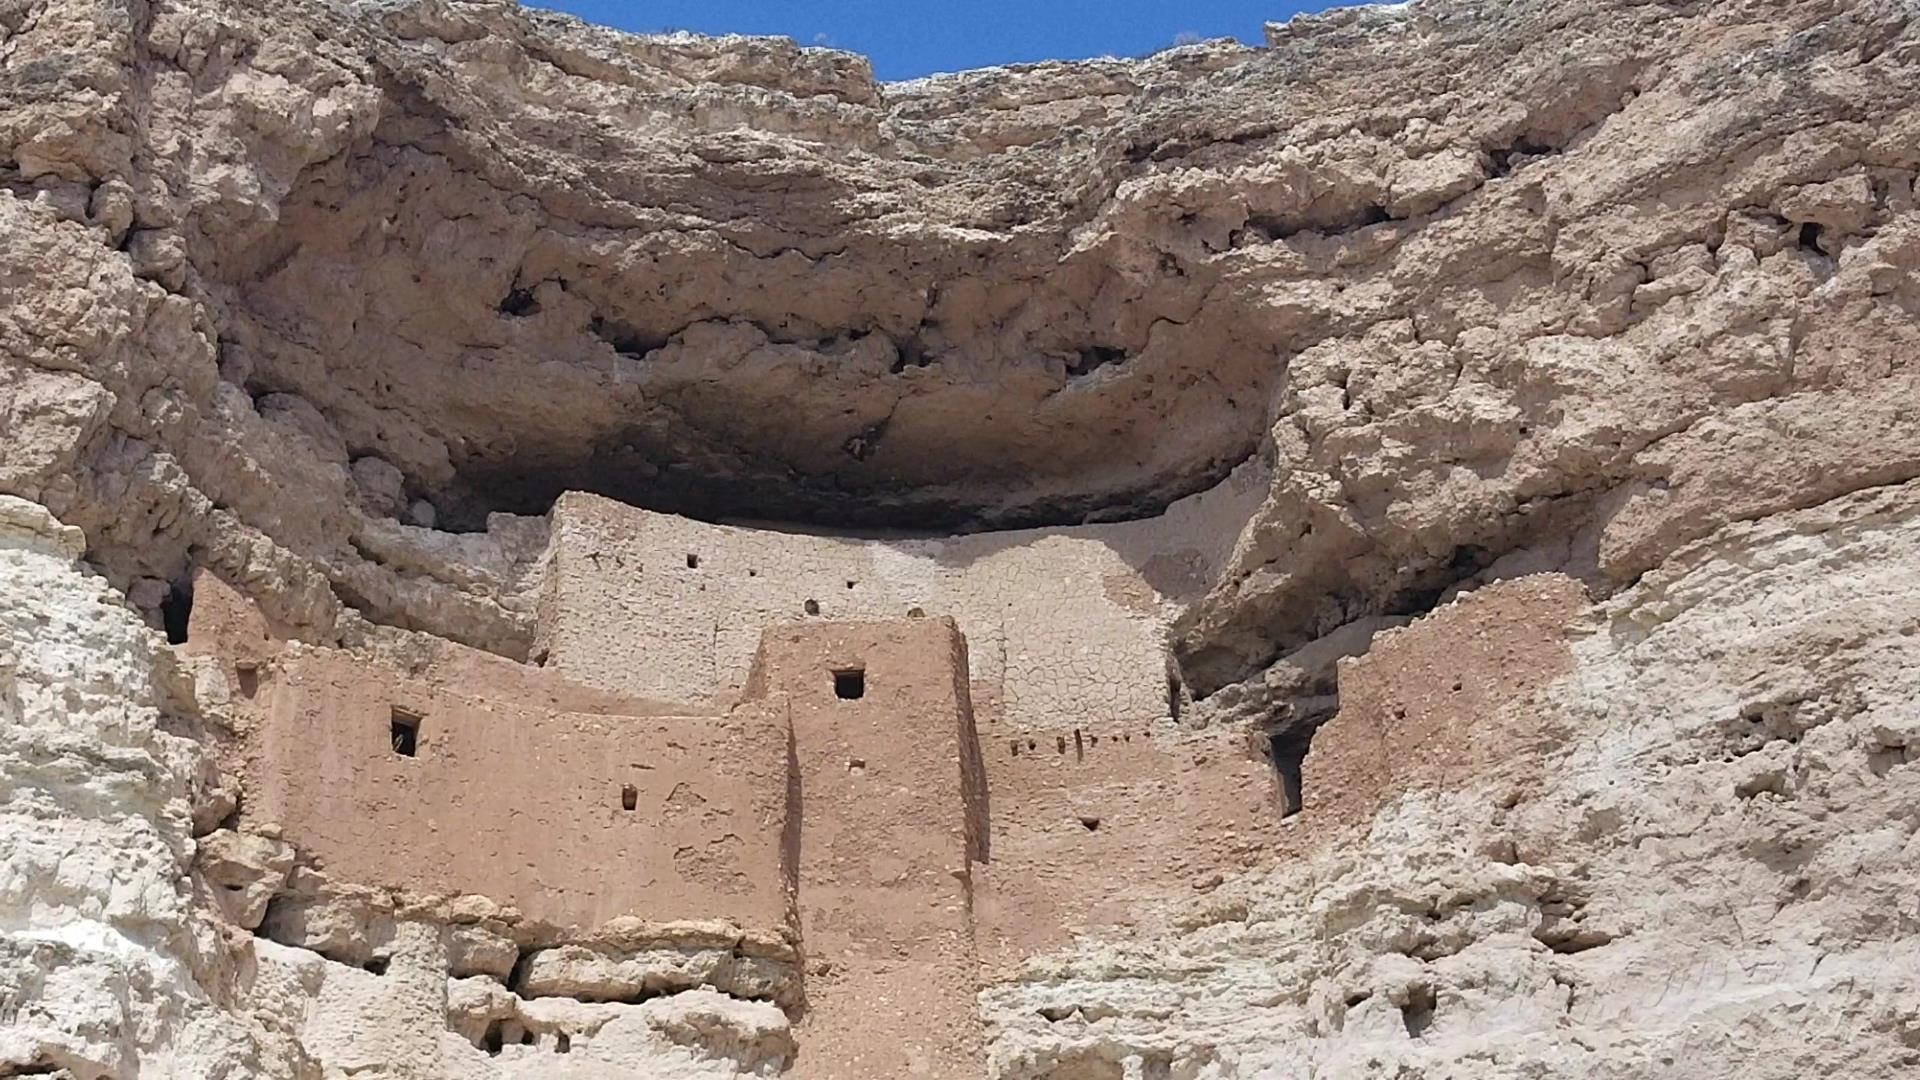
(1475, 279)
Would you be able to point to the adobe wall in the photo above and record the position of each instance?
(888, 818)
(918, 856)
(1066, 627)
(1093, 827)
(935, 857)
(523, 805)
(514, 791)
(228, 626)
(1423, 707)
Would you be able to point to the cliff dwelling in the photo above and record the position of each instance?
(1385, 547)
(856, 811)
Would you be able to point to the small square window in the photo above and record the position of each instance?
(850, 684)
(404, 729)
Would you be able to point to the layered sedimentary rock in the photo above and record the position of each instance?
(1568, 344)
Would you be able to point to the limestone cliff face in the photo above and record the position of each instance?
(1679, 848)
(1590, 318)
(111, 960)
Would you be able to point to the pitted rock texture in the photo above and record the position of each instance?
(333, 300)
(111, 963)
(124, 949)
(1681, 855)
(290, 285)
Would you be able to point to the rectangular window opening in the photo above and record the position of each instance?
(850, 684)
(404, 729)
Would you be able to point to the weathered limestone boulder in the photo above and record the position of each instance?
(606, 973)
(245, 870)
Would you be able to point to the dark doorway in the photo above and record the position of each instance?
(176, 611)
(1289, 755)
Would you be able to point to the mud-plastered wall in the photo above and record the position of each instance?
(573, 818)
(883, 738)
(1093, 826)
(1066, 627)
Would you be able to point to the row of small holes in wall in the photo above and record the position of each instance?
(811, 607)
(693, 563)
(1081, 742)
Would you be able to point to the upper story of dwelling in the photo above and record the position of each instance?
(1066, 627)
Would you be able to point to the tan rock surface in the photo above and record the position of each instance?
(1688, 857)
(1592, 315)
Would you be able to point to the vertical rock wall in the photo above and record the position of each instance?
(1688, 853)
(110, 961)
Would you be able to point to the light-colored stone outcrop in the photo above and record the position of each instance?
(1572, 342)
(1687, 857)
(111, 963)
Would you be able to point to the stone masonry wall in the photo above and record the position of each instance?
(573, 818)
(884, 879)
(1093, 826)
(1065, 626)
(517, 785)
(910, 857)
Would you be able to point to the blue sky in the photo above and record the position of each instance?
(908, 38)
